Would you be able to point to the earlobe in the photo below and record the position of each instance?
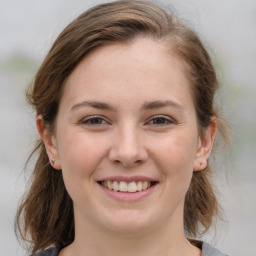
(205, 146)
(49, 142)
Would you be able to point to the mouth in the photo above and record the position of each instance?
(127, 187)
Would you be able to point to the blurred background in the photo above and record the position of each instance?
(29, 27)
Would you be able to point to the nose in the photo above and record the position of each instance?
(127, 147)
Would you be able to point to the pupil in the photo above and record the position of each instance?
(159, 121)
(96, 121)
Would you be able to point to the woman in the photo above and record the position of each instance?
(125, 111)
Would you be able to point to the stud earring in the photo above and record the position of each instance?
(53, 161)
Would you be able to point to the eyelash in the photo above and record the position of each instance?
(89, 121)
(164, 121)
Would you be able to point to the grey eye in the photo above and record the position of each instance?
(94, 121)
(160, 121)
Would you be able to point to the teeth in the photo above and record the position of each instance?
(132, 187)
(109, 185)
(139, 186)
(115, 186)
(144, 185)
(123, 186)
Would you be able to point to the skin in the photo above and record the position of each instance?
(128, 138)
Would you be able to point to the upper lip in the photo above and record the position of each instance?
(128, 178)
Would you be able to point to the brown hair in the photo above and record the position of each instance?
(45, 216)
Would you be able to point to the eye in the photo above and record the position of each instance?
(94, 121)
(160, 121)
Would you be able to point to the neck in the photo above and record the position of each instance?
(164, 240)
(148, 243)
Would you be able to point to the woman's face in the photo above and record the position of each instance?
(126, 138)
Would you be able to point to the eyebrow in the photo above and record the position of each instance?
(93, 104)
(160, 104)
(146, 106)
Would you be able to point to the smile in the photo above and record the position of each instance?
(129, 187)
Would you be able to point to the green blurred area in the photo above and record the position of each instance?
(18, 64)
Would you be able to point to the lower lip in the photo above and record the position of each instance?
(126, 196)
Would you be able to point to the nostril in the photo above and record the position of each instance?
(127, 154)
(116, 162)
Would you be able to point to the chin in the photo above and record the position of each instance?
(129, 222)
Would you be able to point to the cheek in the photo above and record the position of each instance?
(79, 154)
(177, 153)
(176, 157)
(80, 157)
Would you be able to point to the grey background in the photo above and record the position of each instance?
(27, 30)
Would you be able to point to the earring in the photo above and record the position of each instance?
(53, 161)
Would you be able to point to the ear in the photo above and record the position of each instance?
(205, 143)
(49, 142)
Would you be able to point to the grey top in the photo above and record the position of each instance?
(207, 250)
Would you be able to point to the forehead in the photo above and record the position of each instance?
(143, 66)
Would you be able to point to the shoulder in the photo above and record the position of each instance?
(53, 251)
(208, 250)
